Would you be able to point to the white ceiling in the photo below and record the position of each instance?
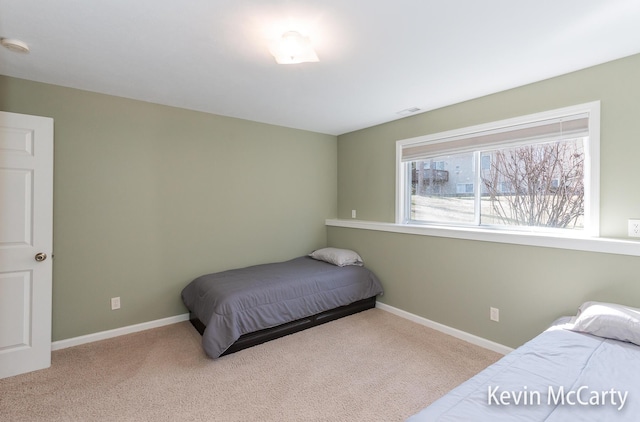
(377, 57)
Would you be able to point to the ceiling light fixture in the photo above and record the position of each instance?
(293, 48)
(14, 45)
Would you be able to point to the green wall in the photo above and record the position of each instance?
(147, 197)
(454, 282)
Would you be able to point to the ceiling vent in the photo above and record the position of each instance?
(408, 111)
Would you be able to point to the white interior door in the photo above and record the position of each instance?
(26, 242)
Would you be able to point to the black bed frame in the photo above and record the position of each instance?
(262, 336)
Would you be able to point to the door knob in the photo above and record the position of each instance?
(41, 256)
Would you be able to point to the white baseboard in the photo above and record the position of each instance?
(462, 335)
(103, 335)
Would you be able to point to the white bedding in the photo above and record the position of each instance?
(560, 375)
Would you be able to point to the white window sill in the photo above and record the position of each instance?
(589, 244)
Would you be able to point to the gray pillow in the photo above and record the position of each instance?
(608, 320)
(339, 257)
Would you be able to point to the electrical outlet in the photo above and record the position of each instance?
(115, 303)
(353, 213)
(494, 314)
(634, 228)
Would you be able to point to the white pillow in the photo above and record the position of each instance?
(339, 257)
(608, 320)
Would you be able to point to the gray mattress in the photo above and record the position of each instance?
(579, 377)
(240, 301)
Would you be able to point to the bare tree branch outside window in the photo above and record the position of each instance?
(537, 185)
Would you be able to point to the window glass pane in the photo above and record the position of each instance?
(536, 173)
(538, 185)
(442, 189)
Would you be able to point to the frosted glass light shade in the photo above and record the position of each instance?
(293, 48)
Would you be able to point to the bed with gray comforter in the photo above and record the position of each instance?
(564, 374)
(237, 302)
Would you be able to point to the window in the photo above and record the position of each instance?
(464, 188)
(538, 172)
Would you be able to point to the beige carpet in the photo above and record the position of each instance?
(372, 366)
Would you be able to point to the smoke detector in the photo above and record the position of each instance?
(14, 45)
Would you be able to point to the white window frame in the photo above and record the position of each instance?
(591, 166)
